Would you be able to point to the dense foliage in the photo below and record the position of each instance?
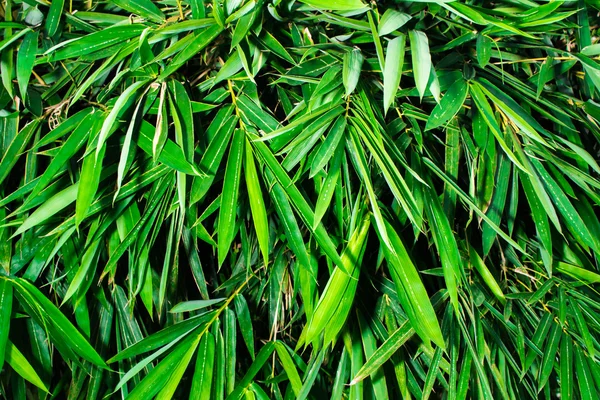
(299, 199)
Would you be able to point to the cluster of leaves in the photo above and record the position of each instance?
(299, 199)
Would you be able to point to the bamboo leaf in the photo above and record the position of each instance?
(392, 73)
(202, 380)
(47, 314)
(53, 17)
(450, 104)
(421, 59)
(351, 72)
(228, 208)
(257, 203)
(6, 300)
(25, 61)
(392, 20)
(337, 5)
(384, 352)
(340, 284)
(19, 363)
(144, 8)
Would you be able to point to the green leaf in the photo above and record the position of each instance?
(432, 373)
(328, 188)
(369, 343)
(6, 299)
(126, 150)
(392, 73)
(340, 285)
(592, 70)
(484, 50)
(261, 358)
(143, 8)
(363, 172)
(290, 224)
(496, 208)
(257, 203)
(446, 244)
(25, 61)
(245, 321)
(73, 143)
(221, 128)
(289, 367)
(384, 352)
(311, 374)
(583, 328)
(88, 185)
(549, 355)
(183, 112)
(584, 376)
(61, 329)
(49, 208)
(353, 61)
(15, 146)
(449, 106)
(471, 204)
(578, 272)
(328, 147)
(194, 305)
(231, 185)
(487, 276)
(407, 280)
(488, 116)
(19, 363)
(53, 17)
(162, 125)
(171, 155)
(421, 59)
(162, 337)
(201, 40)
(108, 125)
(299, 202)
(566, 369)
(335, 5)
(82, 273)
(392, 20)
(565, 207)
(205, 359)
(94, 42)
(165, 376)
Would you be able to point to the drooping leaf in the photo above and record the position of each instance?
(421, 59)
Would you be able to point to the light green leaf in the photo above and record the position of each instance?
(340, 285)
(205, 363)
(391, 21)
(229, 198)
(49, 208)
(19, 363)
(394, 61)
(61, 329)
(407, 280)
(351, 70)
(335, 5)
(194, 305)
(421, 59)
(109, 123)
(384, 352)
(143, 8)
